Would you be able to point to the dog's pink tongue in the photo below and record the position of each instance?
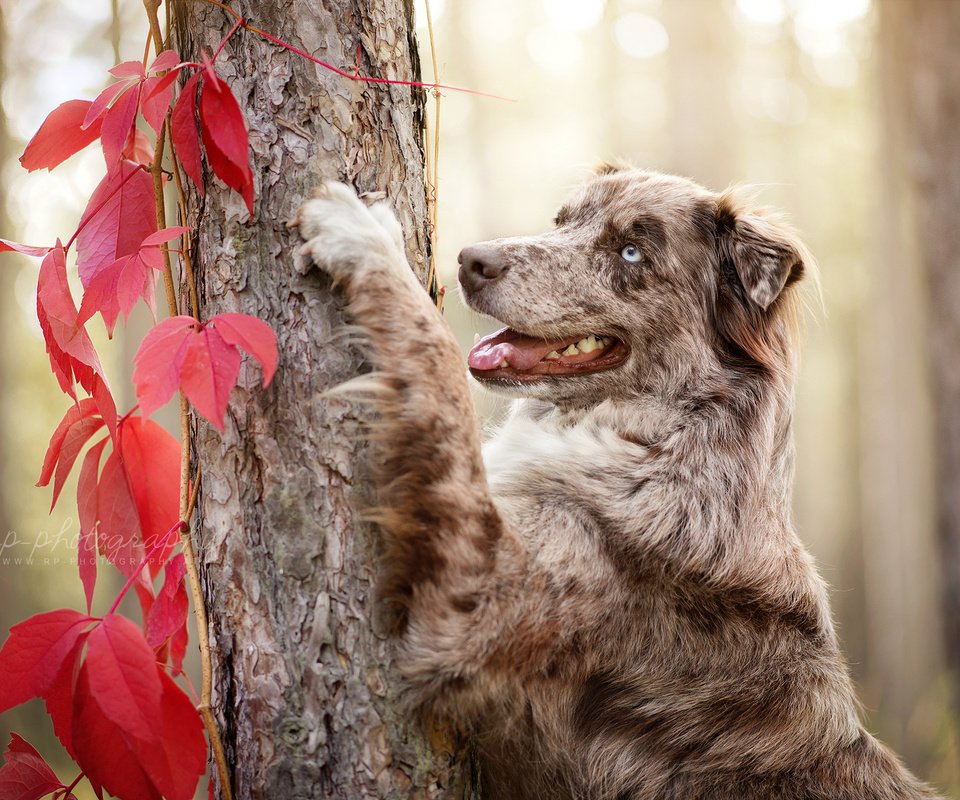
(520, 352)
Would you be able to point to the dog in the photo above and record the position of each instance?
(609, 595)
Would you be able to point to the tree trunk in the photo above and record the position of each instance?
(303, 679)
(921, 36)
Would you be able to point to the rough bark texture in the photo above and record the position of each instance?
(303, 679)
(926, 96)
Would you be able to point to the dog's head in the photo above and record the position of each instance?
(647, 283)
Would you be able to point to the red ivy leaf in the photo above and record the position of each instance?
(184, 134)
(202, 360)
(76, 428)
(154, 102)
(25, 775)
(117, 124)
(178, 763)
(32, 655)
(169, 613)
(135, 501)
(59, 696)
(168, 59)
(123, 677)
(116, 287)
(135, 731)
(254, 336)
(138, 148)
(225, 138)
(119, 227)
(72, 355)
(87, 512)
(100, 105)
(103, 751)
(26, 249)
(209, 372)
(156, 373)
(127, 69)
(151, 458)
(60, 136)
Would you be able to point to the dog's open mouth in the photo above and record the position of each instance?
(514, 355)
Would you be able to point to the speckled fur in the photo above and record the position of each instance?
(611, 597)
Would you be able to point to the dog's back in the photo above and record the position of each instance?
(613, 600)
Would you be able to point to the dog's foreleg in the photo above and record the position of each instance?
(451, 563)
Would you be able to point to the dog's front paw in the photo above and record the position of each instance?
(344, 238)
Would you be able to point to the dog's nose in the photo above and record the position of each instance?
(480, 265)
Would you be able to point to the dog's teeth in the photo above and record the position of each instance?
(553, 354)
(504, 364)
(589, 344)
(571, 350)
(476, 338)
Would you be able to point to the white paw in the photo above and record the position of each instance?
(347, 239)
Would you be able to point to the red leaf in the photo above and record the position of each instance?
(225, 138)
(119, 538)
(119, 227)
(163, 83)
(58, 698)
(60, 136)
(78, 425)
(156, 373)
(155, 102)
(178, 763)
(169, 612)
(76, 412)
(184, 134)
(168, 59)
(138, 148)
(105, 403)
(103, 100)
(117, 124)
(87, 512)
(201, 360)
(25, 775)
(209, 371)
(252, 335)
(72, 354)
(103, 751)
(116, 287)
(123, 677)
(26, 249)
(31, 657)
(178, 648)
(127, 69)
(151, 459)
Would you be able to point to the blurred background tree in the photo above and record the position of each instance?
(844, 113)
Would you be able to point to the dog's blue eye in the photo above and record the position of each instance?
(631, 253)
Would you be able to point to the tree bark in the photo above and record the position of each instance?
(304, 684)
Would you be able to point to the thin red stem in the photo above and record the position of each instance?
(364, 78)
(146, 560)
(99, 208)
(67, 789)
(169, 668)
(240, 21)
(126, 416)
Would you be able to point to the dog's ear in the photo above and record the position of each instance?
(611, 166)
(765, 254)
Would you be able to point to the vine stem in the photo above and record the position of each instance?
(187, 502)
(351, 76)
(433, 175)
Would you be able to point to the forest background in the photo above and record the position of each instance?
(792, 96)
